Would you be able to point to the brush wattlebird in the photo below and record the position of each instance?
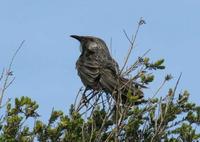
(99, 71)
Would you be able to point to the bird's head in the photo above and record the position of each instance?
(90, 43)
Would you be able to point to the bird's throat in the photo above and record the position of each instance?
(81, 48)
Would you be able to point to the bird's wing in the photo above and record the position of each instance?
(109, 64)
(108, 74)
(88, 70)
(112, 65)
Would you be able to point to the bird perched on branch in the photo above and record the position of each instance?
(99, 71)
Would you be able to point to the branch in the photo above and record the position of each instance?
(8, 73)
(132, 42)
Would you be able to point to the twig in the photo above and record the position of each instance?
(109, 112)
(158, 90)
(132, 42)
(2, 73)
(130, 69)
(82, 98)
(6, 82)
(92, 131)
(14, 55)
(9, 83)
(127, 37)
(163, 114)
(95, 103)
(85, 100)
(177, 84)
(93, 106)
(77, 96)
(9, 99)
(83, 135)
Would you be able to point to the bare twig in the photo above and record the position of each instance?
(179, 78)
(79, 92)
(93, 106)
(158, 90)
(2, 73)
(9, 83)
(15, 54)
(130, 69)
(127, 37)
(83, 102)
(83, 135)
(9, 73)
(132, 42)
(160, 128)
(9, 99)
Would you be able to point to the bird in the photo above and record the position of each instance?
(100, 72)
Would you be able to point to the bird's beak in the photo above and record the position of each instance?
(76, 37)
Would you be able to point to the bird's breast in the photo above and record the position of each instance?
(89, 72)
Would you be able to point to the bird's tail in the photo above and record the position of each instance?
(121, 88)
(129, 90)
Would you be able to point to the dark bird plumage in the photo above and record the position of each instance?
(99, 71)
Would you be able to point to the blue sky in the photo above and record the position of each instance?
(45, 67)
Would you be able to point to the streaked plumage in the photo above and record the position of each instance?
(98, 70)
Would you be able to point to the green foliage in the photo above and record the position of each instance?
(156, 65)
(171, 118)
(12, 123)
(167, 119)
